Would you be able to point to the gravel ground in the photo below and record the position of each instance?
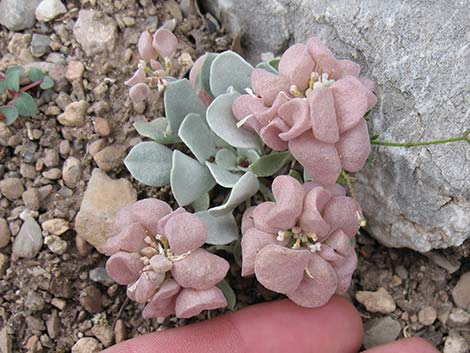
(61, 297)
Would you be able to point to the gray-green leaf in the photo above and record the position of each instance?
(196, 135)
(270, 164)
(226, 158)
(13, 78)
(46, 83)
(229, 294)
(222, 176)
(25, 104)
(189, 179)
(246, 187)
(35, 74)
(220, 230)
(229, 69)
(158, 130)
(150, 163)
(224, 124)
(3, 85)
(203, 76)
(180, 100)
(10, 114)
(202, 203)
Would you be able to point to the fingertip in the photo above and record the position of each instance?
(407, 345)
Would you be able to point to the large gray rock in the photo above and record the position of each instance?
(418, 53)
(17, 15)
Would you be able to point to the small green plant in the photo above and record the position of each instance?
(20, 103)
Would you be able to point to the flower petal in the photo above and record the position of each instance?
(311, 219)
(266, 116)
(144, 288)
(351, 102)
(260, 217)
(295, 113)
(144, 45)
(336, 248)
(297, 64)
(139, 92)
(160, 264)
(320, 159)
(247, 219)
(138, 77)
(270, 134)
(323, 115)
(185, 232)
(163, 302)
(281, 269)
(200, 270)
(267, 85)
(369, 87)
(354, 147)
(289, 195)
(159, 308)
(165, 42)
(123, 218)
(164, 220)
(195, 70)
(344, 272)
(334, 189)
(149, 211)
(323, 58)
(348, 68)
(341, 213)
(246, 105)
(316, 291)
(190, 302)
(124, 267)
(130, 239)
(253, 240)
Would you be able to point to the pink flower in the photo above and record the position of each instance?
(156, 253)
(300, 245)
(203, 95)
(314, 107)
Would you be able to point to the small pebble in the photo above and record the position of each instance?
(29, 240)
(87, 345)
(32, 199)
(3, 264)
(96, 146)
(74, 114)
(5, 234)
(455, 343)
(56, 226)
(59, 303)
(100, 275)
(52, 324)
(102, 127)
(461, 291)
(83, 247)
(51, 158)
(52, 174)
(458, 317)
(39, 45)
(11, 188)
(72, 172)
(120, 331)
(48, 10)
(104, 333)
(91, 299)
(427, 316)
(5, 341)
(75, 70)
(377, 302)
(381, 331)
(110, 157)
(34, 301)
(55, 244)
(33, 345)
(27, 171)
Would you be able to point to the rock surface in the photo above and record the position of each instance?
(379, 301)
(461, 291)
(416, 198)
(103, 199)
(29, 240)
(381, 331)
(95, 32)
(17, 15)
(47, 10)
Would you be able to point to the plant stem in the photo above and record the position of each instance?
(349, 183)
(417, 143)
(31, 85)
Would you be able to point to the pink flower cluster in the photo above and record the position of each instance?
(300, 245)
(156, 253)
(150, 73)
(314, 107)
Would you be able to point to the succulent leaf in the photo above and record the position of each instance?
(265, 66)
(270, 164)
(35, 74)
(229, 69)
(202, 203)
(203, 76)
(158, 130)
(229, 294)
(150, 163)
(13, 78)
(220, 229)
(222, 176)
(246, 187)
(46, 83)
(10, 114)
(227, 159)
(189, 179)
(25, 104)
(221, 120)
(180, 100)
(197, 136)
(3, 85)
(245, 158)
(296, 175)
